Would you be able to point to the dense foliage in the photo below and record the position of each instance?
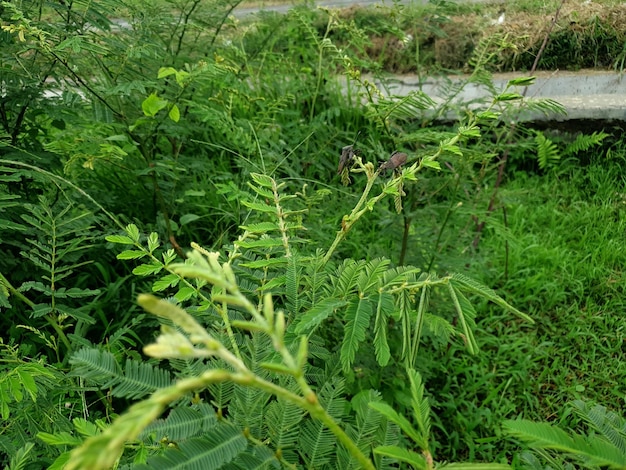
(410, 310)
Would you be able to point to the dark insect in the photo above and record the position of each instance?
(396, 160)
(347, 155)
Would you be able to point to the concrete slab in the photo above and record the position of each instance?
(585, 94)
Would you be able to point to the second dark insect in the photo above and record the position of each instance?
(396, 160)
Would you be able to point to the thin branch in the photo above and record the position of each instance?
(505, 156)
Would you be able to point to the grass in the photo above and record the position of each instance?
(566, 263)
(567, 268)
(264, 3)
(425, 37)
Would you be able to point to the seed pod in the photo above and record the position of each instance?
(396, 160)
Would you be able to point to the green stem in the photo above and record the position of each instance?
(140, 415)
(442, 227)
(59, 331)
(320, 59)
(364, 205)
(350, 220)
(309, 402)
(342, 437)
(229, 329)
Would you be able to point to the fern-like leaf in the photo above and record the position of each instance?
(316, 281)
(221, 393)
(210, 452)
(592, 451)
(136, 380)
(347, 277)
(20, 459)
(364, 433)
(263, 242)
(584, 142)
(421, 408)
(476, 466)
(439, 327)
(292, 286)
(358, 315)
(397, 276)
(388, 435)
(259, 458)
(317, 314)
(607, 423)
(466, 315)
(371, 276)
(403, 108)
(405, 305)
(182, 423)
(547, 151)
(420, 318)
(384, 308)
(283, 426)
(248, 404)
(59, 239)
(470, 285)
(317, 443)
(545, 106)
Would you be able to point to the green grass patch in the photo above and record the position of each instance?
(566, 269)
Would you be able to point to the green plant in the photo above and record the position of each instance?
(267, 380)
(548, 153)
(605, 447)
(49, 308)
(564, 266)
(58, 238)
(30, 392)
(98, 88)
(190, 125)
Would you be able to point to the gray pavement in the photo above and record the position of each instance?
(585, 94)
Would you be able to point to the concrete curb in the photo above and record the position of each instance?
(587, 94)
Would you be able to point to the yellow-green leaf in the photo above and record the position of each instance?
(152, 105)
(174, 113)
(131, 254)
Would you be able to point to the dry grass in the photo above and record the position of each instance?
(580, 21)
(586, 35)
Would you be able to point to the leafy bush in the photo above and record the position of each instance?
(604, 448)
(293, 339)
(269, 357)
